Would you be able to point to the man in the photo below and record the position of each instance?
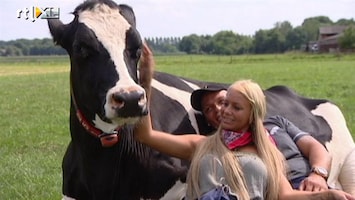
(307, 159)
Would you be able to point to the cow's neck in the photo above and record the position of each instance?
(107, 138)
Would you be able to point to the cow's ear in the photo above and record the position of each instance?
(57, 28)
(128, 13)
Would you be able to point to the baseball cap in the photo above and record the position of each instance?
(197, 95)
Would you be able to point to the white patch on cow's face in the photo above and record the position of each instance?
(180, 96)
(342, 142)
(110, 28)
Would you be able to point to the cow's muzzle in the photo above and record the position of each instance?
(129, 104)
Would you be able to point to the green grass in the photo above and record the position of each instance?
(34, 124)
(34, 96)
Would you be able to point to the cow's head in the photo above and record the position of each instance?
(104, 48)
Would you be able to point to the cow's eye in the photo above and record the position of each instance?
(83, 50)
(139, 53)
(134, 53)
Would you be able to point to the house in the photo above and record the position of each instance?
(328, 38)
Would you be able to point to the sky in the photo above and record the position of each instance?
(177, 18)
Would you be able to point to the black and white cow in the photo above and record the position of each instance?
(103, 161)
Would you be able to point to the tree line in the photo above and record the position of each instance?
(281, 38)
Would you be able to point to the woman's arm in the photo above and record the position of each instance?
(146, 69)
(181, 146)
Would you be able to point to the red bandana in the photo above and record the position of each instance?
(233, 139)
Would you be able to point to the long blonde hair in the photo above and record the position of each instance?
(267, 151)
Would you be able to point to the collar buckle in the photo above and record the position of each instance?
(109, 139)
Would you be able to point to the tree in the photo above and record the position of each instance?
(295, 39)
(190, 44)
(347, 40)
(269, 41)
(311, 26)
(259, 43)
(12, 51)
(283, 27)
(206, 44)
(346, 22)
(224, 43)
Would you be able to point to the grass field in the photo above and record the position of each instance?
(35, 105)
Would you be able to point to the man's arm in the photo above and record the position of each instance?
(318, 156)
(313, 150)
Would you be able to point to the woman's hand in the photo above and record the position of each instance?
(146, 69)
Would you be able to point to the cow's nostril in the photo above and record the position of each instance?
(142, 99)
(118, 99)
